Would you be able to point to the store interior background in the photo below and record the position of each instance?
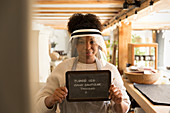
(25, 61)
(151, 25)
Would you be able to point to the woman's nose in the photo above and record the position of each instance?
(88, 45)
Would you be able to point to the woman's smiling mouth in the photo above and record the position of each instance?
(89, 53)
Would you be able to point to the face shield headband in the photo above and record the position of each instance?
(85, 32)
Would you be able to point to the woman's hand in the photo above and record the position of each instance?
(58, 96)
(115, 94)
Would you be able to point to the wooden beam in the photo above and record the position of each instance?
(63, 18)
(77, 5)
(76, 10)
(124, 39)
(130, 12)
(71, 13)
(86, 4)
(55, 9)
(154, 36)
(80, 8)
(80, 2)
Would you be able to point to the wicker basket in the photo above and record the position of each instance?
(142, 78)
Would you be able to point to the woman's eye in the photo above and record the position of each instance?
(92, 42)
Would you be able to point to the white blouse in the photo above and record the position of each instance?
(57, 79)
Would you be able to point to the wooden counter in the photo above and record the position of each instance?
(144, 103)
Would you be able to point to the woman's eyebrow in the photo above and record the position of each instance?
(81, 39)
(92, 39)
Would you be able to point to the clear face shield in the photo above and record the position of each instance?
(87, 42)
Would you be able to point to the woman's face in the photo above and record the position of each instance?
(87, 48)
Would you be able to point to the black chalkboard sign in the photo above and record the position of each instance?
(88, 85)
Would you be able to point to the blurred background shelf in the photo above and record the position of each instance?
(144, 55)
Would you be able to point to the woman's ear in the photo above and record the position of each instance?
(100, 48)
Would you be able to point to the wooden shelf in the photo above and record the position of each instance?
(131, 52)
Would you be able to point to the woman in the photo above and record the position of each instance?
(88, 52)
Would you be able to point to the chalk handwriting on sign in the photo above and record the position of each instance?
(83, 80)
(86, 84)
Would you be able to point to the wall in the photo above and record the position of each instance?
(167, 48)
(46, 36)
(61, 37)
(42, 40)
(163, 40)
(44, 58)
(146, 35)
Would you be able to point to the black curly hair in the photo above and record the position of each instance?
(86, 21)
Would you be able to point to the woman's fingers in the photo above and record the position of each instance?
(60, 94)
(115, 94)
(64, 89)
(57, 98)
(118, 98)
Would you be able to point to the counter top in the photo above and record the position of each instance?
(144, 103)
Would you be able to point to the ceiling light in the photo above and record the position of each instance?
(120, 24)
(125, 5)
(151, 5)
(136, 3)
(151, 2)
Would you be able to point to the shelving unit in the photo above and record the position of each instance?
(138, 53)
